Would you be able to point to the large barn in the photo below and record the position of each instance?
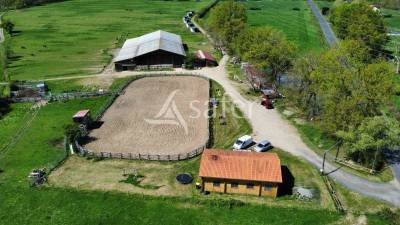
(156, 48)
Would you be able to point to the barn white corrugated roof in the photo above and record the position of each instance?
(158, 40)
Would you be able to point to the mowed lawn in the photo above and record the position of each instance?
(76, 37)
(294, 18)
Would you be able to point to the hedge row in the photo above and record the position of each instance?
(205, 10)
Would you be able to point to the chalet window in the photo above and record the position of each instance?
(234, 185)
(250, 185)
(268, 187)
(216, 183)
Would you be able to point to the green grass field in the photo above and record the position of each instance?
(76, 37)
(298, 25)
(24, 205)
(228, 128)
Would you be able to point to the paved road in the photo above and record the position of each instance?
(268, 124)
(325, 27)
(331, 40)
(396, 170)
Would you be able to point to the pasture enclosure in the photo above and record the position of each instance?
(155, 116)
(90, 29)
(293, 18)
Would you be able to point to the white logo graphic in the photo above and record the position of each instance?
(169, 114)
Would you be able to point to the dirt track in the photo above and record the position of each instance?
(129, 124)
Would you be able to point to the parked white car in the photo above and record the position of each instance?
(243, 142)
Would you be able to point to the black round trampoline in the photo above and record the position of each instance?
(184, 178)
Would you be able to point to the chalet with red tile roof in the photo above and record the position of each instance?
(240, 172)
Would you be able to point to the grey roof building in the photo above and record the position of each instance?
(156, 48)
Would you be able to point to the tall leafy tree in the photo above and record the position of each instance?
(266, 48)
(304, 89)
(227, 20)
(340, 90)
(366, 143)
(358, 21)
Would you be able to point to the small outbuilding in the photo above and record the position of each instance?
(157, 48)
(82, 117)
(205, 59)
(240, 172)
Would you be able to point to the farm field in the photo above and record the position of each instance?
(293, 18)
(147, 105)
(64, 205)
(18, 115)
(90, 29)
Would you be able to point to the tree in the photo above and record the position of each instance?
(227, 20)
(303, 91)
(339, 89)
(358, 21)
(267, 49)
(366, 143)
(8, 26)
(190, 61)
(72, 131)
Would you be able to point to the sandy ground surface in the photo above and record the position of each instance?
(155, 116)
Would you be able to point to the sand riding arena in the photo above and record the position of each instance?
(163, 115)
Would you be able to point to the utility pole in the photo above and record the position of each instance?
(322, 170)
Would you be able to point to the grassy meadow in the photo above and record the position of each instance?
(77, 37)
(293, 18)
(41, 146)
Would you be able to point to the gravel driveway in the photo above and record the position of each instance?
(269, 124)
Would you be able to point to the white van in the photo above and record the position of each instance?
(243, 142)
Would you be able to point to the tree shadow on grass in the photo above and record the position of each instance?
(286, 188)
(4, 107)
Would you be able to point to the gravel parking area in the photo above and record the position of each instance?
(155, 115)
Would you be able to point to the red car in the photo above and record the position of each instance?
(267, 103)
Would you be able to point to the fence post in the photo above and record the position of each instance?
(169, 158)
(179, 157)
(139, 156)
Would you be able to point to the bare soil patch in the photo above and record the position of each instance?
(145, 119)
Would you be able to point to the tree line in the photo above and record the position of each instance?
(345, 90)
(261, 46)
(16, 4)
